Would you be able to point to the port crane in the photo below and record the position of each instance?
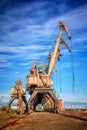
(18, 92)
(39, 82)
(1, 98)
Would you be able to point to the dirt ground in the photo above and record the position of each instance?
(44, 121)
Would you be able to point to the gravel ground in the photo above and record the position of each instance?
(42, 121)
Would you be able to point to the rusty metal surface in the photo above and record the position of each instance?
(40, 95)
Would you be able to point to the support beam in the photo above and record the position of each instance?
(43, 91)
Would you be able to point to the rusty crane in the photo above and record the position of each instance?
(39, 82)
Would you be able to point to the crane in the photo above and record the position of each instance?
(39, 82)
(18, 92)
(42, 77)
(1, 98)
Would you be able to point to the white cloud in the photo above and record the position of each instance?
(3, 75)
(2, 65)
(20, 49)
(76, 17)
(39, 32)
(25, 64)
(17, 72)
(83, 59)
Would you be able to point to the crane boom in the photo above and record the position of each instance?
(62, 40)
(55, 52)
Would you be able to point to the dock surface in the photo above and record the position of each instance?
(72, 120)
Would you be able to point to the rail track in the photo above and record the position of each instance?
(74, 116)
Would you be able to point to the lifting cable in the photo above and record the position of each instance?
(60, 77)
(72, 65)
(51, 40)
(73, 75)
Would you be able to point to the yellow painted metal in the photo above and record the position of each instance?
(54, 54)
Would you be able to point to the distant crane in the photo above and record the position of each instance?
(1, 98)
(18, 92)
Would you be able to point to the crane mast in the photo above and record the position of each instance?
(55, 52)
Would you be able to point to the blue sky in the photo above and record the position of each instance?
(28, 30)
